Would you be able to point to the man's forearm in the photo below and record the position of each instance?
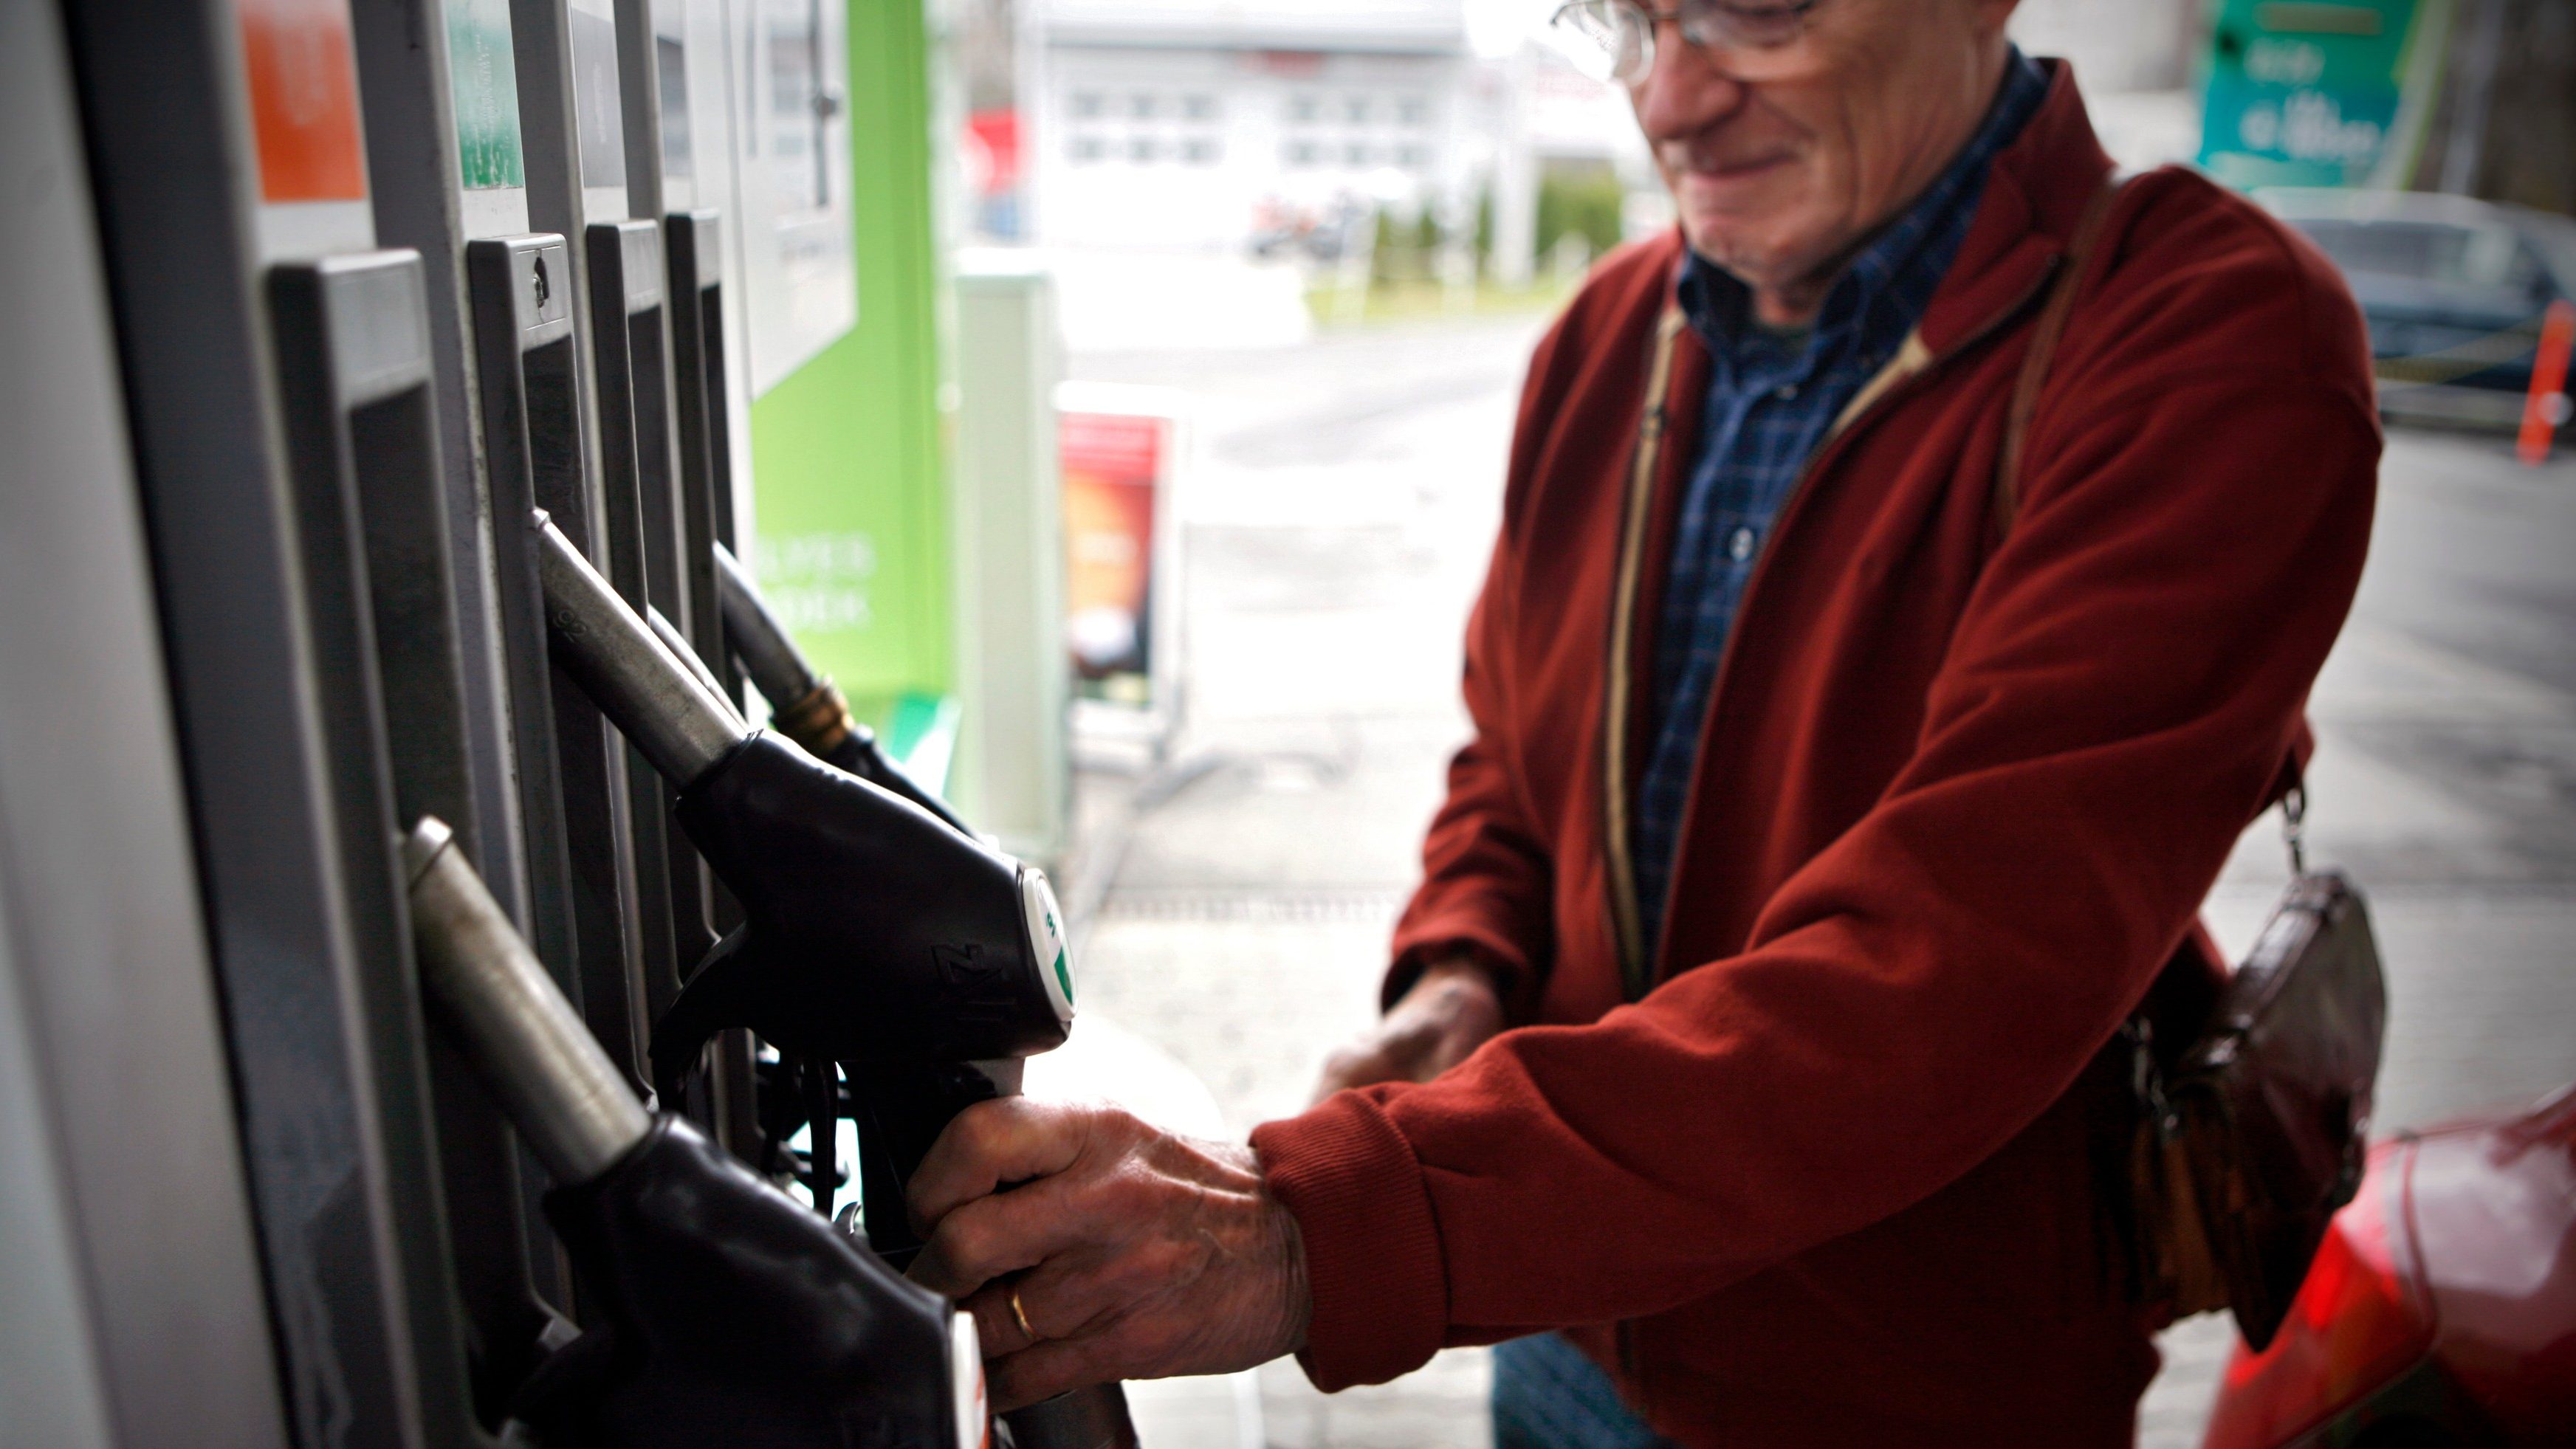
(1452, 1007)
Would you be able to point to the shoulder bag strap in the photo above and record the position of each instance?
(2044, 335)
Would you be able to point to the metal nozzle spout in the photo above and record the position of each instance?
(803, 705)
(771, 658)
(681, 726)
(480, 979)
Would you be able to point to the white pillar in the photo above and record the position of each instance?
(1010, 775)
(1516, 175)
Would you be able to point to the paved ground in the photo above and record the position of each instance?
(1341, 498)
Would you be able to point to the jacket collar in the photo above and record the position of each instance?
(2037, 190)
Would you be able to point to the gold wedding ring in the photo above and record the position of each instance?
(1020, 1316)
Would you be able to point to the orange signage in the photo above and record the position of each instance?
(303, 99)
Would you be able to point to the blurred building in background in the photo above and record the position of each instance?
(1281, 128)
(1204, 127)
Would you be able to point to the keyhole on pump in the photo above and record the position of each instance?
(544, 287)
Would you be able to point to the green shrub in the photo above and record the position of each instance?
(1582, 198)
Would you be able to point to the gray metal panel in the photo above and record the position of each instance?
(521, 293)
(640, 94)
(695, 242)
(571, 766)
(169, 1339)
(411, 165)
(562, 199)
(639, 527)
(50, 1389)
(259, 650)
(359, 401)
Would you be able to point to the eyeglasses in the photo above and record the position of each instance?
(1614, 40)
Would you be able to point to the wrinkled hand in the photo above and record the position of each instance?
(1451, 1009)
(1135, 1253)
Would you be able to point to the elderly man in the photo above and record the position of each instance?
(1911, 575)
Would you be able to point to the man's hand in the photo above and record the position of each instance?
(1451, 1010)
(1133, 1253)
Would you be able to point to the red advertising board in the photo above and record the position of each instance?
(1113, 464)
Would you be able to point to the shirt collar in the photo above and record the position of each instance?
(1888, 282)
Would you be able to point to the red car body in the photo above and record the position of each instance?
(2441, 1309)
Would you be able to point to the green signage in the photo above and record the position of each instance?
(2311, 93)
(848, 458)
(483, 84)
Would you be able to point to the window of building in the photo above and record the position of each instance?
(1356, 153)
(1141, 149)
(1087, 148)
(1141, 105)
(1089, 104)
(1201, 151)
(1305, 107)
(1304, 153)
(1355, 109)
(1199, 108)
(1413, 111)
(1414, 157)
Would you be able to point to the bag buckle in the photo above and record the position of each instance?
(2294, 826)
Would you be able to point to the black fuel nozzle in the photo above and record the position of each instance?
(874, 932)
(803, 705)
(721, 1311)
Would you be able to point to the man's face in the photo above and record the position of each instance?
(1782, 160)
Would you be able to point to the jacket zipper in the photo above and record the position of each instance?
(1635, 513)
(1642, 980)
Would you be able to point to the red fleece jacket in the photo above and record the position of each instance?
(1832, 1180)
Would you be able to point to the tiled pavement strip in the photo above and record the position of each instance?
(1340, 501)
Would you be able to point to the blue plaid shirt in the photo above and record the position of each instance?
(1771, 398)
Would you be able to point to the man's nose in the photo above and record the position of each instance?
(1685, 92)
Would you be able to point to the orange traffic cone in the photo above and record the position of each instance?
(2546, 408)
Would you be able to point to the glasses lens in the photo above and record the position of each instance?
(1752, 24)
(1608, 40)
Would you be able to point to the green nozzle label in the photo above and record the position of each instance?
(1038, 913)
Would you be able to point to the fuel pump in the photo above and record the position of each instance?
(803, 705)
(724, 1311)
(877, 936)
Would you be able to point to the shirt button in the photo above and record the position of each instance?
(1739, 545)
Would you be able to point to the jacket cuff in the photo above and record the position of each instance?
(1373, 1265)
(1462, 932)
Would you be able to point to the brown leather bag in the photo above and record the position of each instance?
(2247, 1147)
(2245, 1142)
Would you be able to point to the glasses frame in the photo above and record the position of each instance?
(1711, 25)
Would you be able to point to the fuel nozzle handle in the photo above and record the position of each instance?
(486, 987)
(681, 725)
(804, 705)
